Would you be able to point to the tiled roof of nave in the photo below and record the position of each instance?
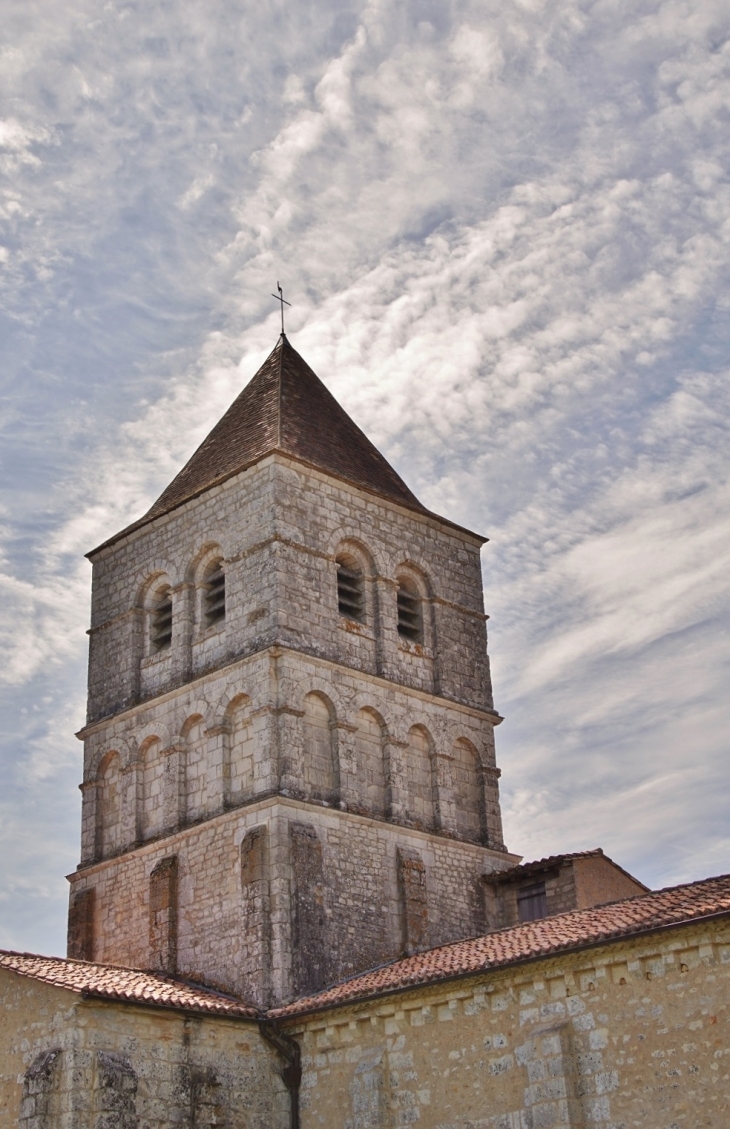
(126, 985)
(567, 932)
(578, 929)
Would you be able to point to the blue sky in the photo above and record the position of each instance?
(504, 231)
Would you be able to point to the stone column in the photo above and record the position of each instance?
(89, 830)
(492, 811)
(310, 947)
(80, 941)
(183, 615)
(387, 636)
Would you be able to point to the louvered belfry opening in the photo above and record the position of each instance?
(410, 620)
(532, 902)
(350, 589)
(161, 623)
(215, 595)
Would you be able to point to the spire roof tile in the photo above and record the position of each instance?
(286, 408)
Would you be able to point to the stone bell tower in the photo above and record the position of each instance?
(289, 770)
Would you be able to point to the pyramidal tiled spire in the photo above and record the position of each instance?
(286, 408)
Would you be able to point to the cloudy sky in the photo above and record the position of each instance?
(504, 229)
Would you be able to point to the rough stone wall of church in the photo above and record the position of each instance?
(287, 696)
(66, 1064)
(635, 1033)
(223, 935)
(278, 527)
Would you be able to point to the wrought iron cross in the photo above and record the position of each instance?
(280, 298)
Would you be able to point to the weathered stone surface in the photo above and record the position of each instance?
(581, 1040)
(71, 1063)
(414, 899)
(286, 697)
(163, 915)
(256, 918)
(81, 923)
(309, 917)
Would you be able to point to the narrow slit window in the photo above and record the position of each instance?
(215, 595)
(532, 902)
(410, 620)
(350, 594)
(161, 625)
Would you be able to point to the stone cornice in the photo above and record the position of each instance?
(275, 650)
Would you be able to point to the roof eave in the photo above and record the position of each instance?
(353, 1001)
(143, 521)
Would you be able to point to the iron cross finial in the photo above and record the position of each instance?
(280, 298)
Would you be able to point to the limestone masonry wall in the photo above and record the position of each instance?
(386, 740)
(245, 732)
(631, 1034)
(346, 917)
(72, 1064)
(277, 527)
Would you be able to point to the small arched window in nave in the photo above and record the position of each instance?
(350, 588)
(214, 600)
(410, 617)
(161, 620)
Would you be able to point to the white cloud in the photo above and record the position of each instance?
(504, 231)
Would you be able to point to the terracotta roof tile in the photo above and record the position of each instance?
(678, 905)
(127, 985)
(575, 930)
(286, 408)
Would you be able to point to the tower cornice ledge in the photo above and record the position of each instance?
(140, 528)
(175, 838)
(275, 650)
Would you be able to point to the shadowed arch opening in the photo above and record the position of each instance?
(417, 783)
(319, 768)
(108, 806)
(370, 736)
(350, 587)
(160, 617)
(466, 783)
(214, 593)
(410, 610)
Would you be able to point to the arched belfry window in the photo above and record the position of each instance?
(350, 588)
(214, 599)
(410, 615)
(161, 620)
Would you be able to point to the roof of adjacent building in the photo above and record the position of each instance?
(125, 985)
(553, 862)
(285, 408)
(550, 936)
(579, 929)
